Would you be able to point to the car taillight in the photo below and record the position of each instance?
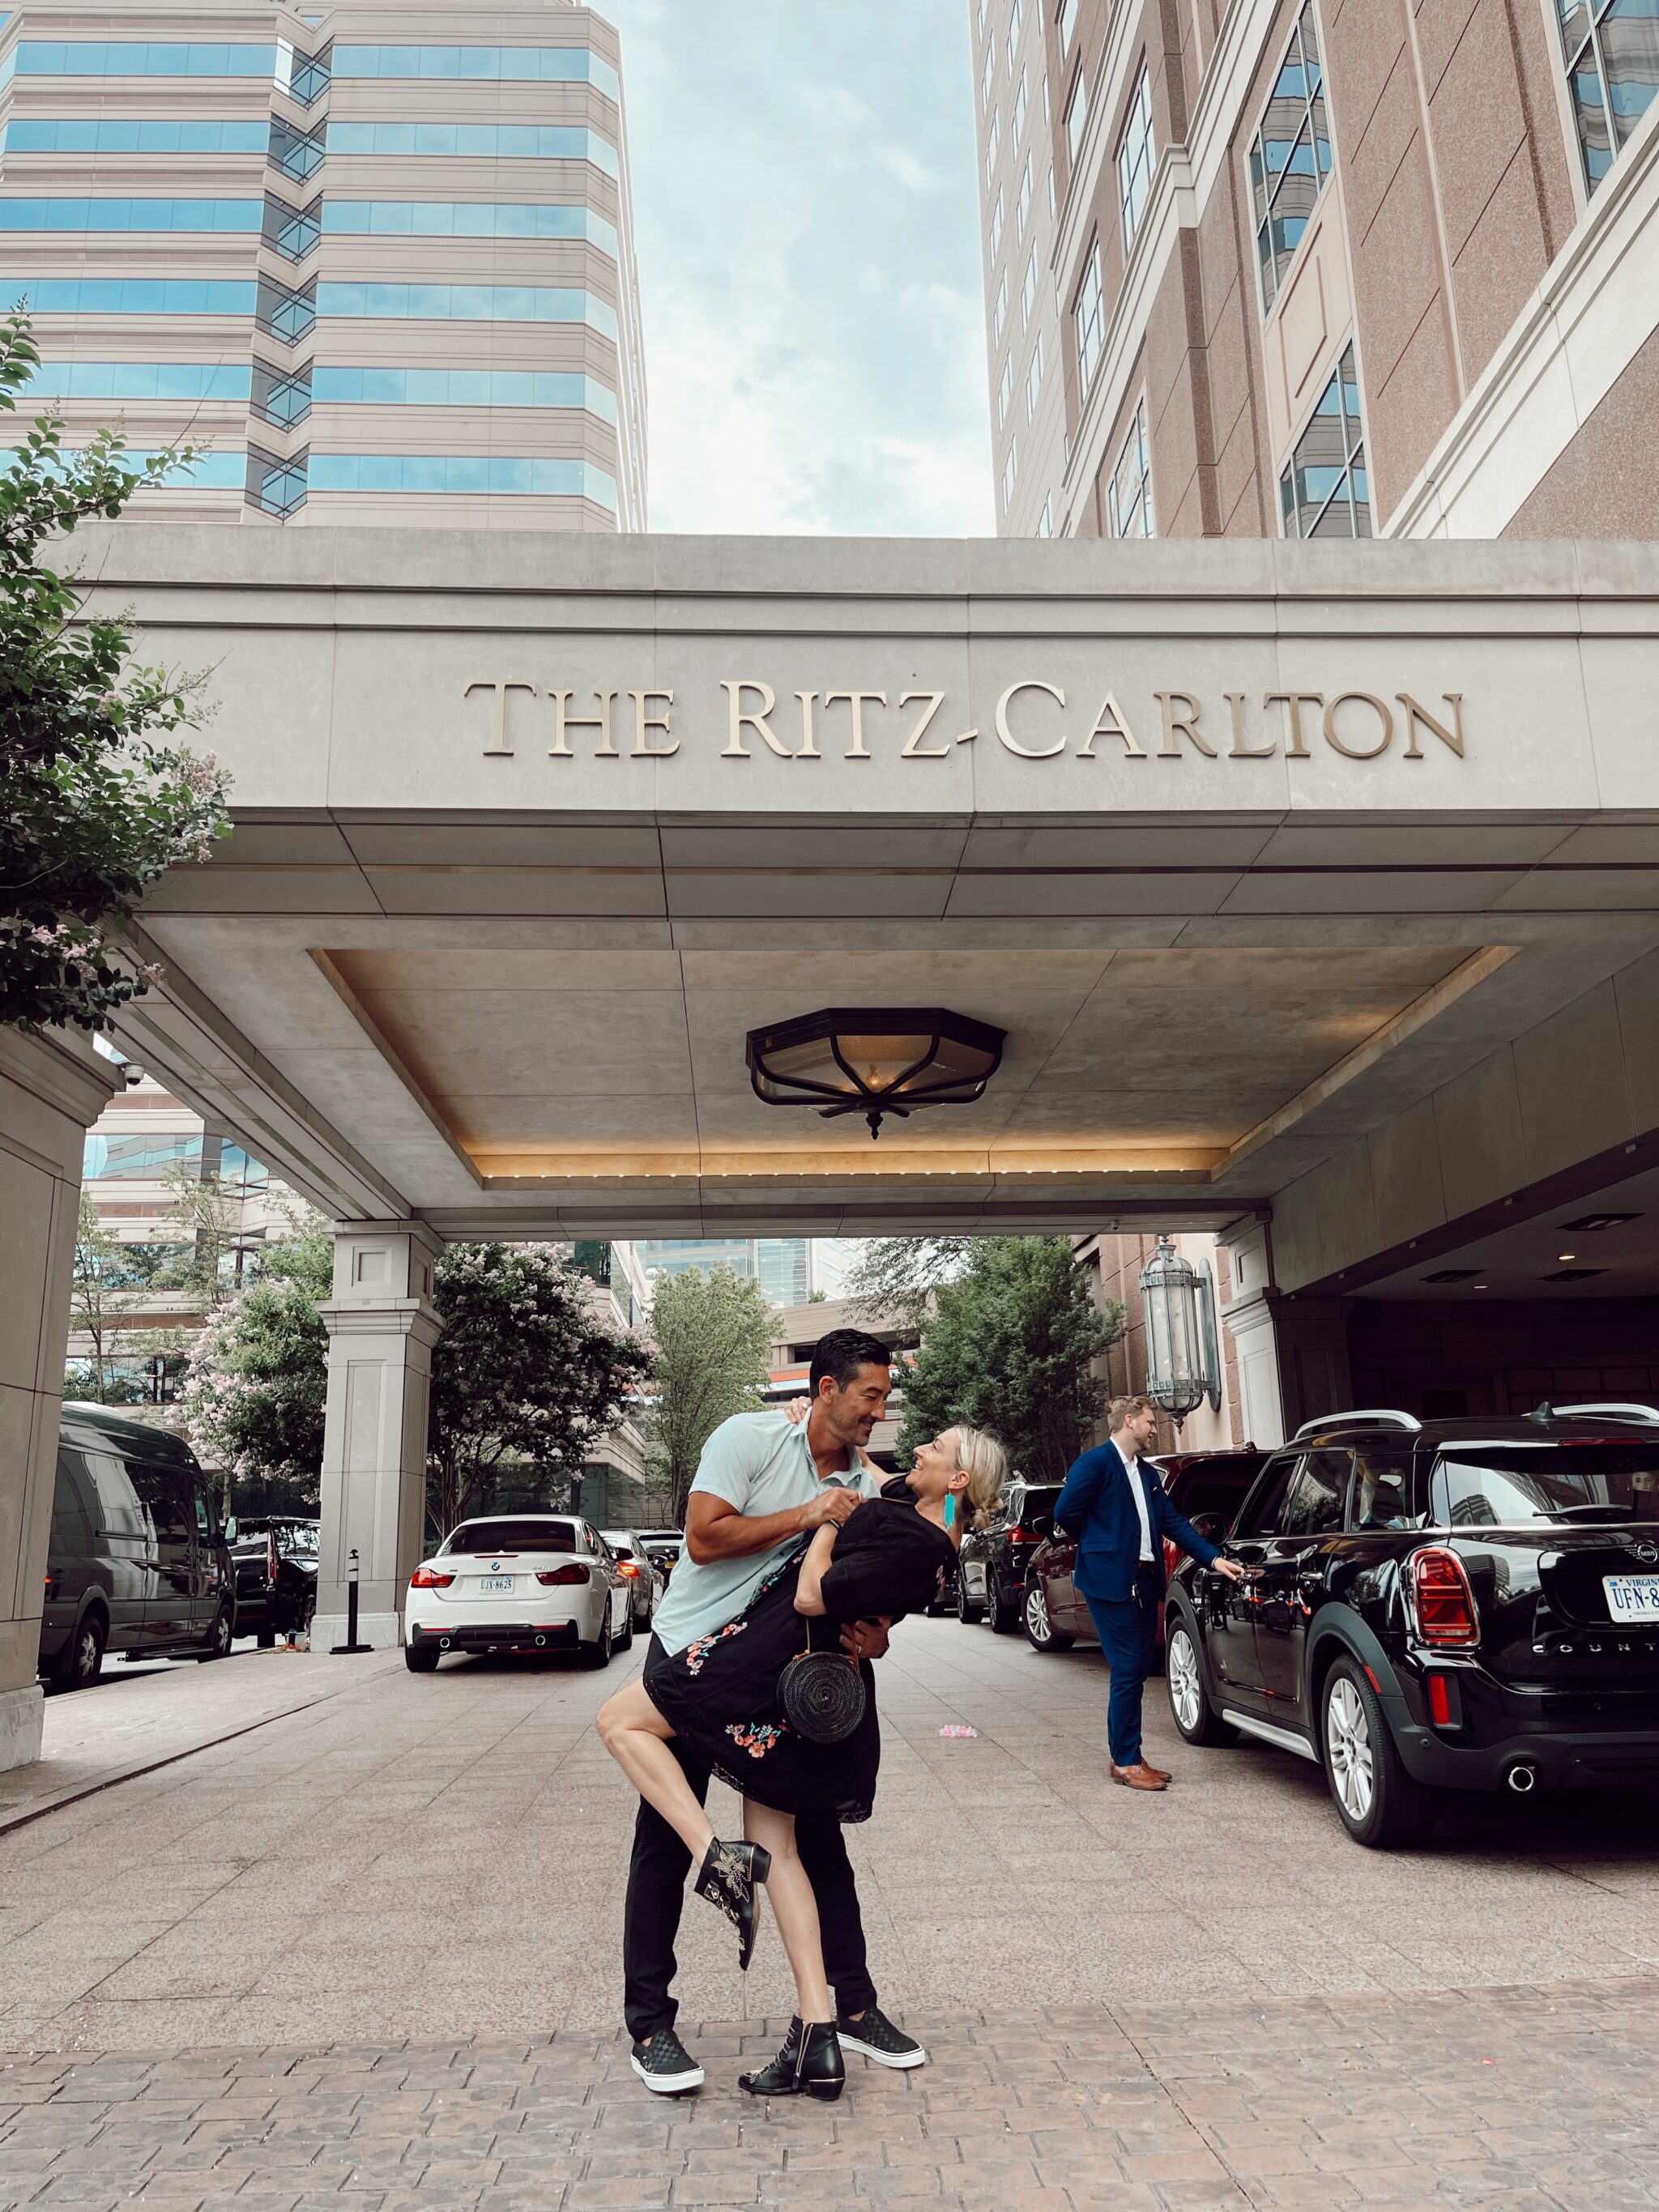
(575, 1572)
(628, 1567)
(429, 1578)
(1445, 1603)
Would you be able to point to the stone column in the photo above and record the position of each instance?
(1293, 1361)
(51, 1090)
(381, 1328)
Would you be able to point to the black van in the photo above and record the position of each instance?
(137, 1563)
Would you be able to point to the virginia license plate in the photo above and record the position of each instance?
(1632, 1597)
(493, 1585)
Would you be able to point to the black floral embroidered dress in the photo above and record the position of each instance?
(720, 1693)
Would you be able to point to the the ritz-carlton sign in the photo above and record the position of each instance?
(1033, 719)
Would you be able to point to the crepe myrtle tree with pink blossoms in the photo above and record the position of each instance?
(95, 803)
(522, 1372)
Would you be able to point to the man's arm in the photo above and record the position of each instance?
(1082, 1486)
(1176, 1525)
(715, 1529)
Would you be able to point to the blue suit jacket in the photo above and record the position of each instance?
(1097, 1507)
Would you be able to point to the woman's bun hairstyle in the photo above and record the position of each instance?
(982, 1459)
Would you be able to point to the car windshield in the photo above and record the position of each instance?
(476, 1537)
(1499, 1485)
(619, 1544)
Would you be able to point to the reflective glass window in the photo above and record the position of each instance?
(1258, 1516)
(276, 487)
(307, 77)
(515, 142)
(996, 226)
(282, 399)
(1010, 471)
(1290, 155)
(1077, 117)
(488, 303)
(297, 154)
(468, 219)
(141, 379)
(1325, 491)
(1034, 377)
(493, 474)
(463, 387)
(1089, 317)
(1005, 390)
(1129, 494)
(498, 65)
(112, 134)
(1135, 155)
(287, 314)
(129, 214)
(1317, 1499)
(138, 295)
(292, 232)
(102, 58)
(1611, 52)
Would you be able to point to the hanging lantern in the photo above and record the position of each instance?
(874, 1062)
(1177, 1377)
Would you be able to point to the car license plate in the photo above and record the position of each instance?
(493, 1585)
(1632, 1597)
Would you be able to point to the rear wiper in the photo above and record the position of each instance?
(1580, 1512)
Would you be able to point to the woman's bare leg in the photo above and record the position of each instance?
(636, 1736)
(794, 1907)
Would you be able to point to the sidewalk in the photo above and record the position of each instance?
(1495, 2100)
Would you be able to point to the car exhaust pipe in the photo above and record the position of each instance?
(1522, 1779)
(540, 1641)
(443, 1643)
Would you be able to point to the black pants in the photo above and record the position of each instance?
(656, 1893)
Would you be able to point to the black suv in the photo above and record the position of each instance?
(992, 1563)
(1429, 1606)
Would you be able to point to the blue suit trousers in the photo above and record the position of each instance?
(1127, 1629)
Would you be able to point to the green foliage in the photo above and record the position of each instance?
(1011, 1349)
(713, 1333)
(93, 806)
(253, 1403)
(893, 1278)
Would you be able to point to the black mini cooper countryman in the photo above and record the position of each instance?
(1445, 1605)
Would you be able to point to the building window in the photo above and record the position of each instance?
(1077, 117)
(1034, 377)
(143, 379)
(487, 64)
(1611, 48)
(1324, 492)
(140, 296)
(1000, 309)
(1019, 107)
(1129, 494)
(1005, 390)
(492, 475)
(1068, 24)
(341, 386)
(276, 487)
(130, 214)
(95, 58)
(1291, 155)
(469, 219)
(297, 154)
(1027, 291)
(1134, 158)
(1046, 520)
(535, 142)
(1009, 471)
(292, 232)
(283, 400)
(1089, 317)
(29, 134)
(1023, 208)
(287, 315)
(987, 77)
(996, 225)
(479, 303)
(1053, 203)
(993, 146)
(1013, 31)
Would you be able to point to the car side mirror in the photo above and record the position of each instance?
(1211, 1527)
(230, 1529)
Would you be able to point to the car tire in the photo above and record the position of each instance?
(81, 1662)
(1195, 1718)
(220, 1636)
(1039, 1629)
(970, 1611)
(1376, 1800)
(597, 1655)
(625, 1641)
(1003, 1611)
(420, 1658)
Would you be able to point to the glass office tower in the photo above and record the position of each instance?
(377, 259)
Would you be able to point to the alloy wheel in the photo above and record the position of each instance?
(1186, 1691)
(1348, 1746)
(1038, 1624)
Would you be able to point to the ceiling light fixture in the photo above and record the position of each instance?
(873, 1060)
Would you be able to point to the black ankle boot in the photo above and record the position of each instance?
(727, 1878)
(810, 2064)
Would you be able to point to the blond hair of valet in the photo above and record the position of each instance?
(983, 1461)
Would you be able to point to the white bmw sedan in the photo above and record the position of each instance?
(524, 1582)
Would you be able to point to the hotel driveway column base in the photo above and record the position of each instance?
(381, 1328)
(51, 1088)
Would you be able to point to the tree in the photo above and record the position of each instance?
(713, 1335)
(1011, 1349)
(96, 1299)
(94, 806)
(203, 1261)
(258, 1377)
(893, 1278)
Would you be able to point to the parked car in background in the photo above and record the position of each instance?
(1432, 1606)
(137, 1562)
(663, 1547)
(992, 1562)
(518, 1582)
(1208, 1487)
(276, 1563)
(638, 1571)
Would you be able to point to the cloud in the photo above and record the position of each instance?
(915, 175)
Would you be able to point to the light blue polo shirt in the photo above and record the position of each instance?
(761, 1463)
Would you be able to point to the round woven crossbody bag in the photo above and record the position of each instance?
(822, 1695)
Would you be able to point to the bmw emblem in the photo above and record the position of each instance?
(1647, 1553)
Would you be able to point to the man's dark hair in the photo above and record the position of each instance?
(842, 1353)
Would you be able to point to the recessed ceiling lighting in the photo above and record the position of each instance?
(1566, 1255)
(1479, 1286)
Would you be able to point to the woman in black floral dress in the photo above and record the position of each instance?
(721, 1697)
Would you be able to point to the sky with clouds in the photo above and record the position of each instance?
(807, 216)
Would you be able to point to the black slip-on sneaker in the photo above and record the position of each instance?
(664, 2064)
(874, 2036)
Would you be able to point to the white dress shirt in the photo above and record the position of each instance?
(1138, 1492)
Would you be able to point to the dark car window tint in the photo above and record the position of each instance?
(118, 1509)
(1316, 1502)
(1498, 1485)
(476, 1537)
(203, 1517)
(1384, 1496)
(166, 1498)
(1259, 1516)
(1210, 1496)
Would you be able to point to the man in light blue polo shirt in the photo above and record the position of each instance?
(764, 1485)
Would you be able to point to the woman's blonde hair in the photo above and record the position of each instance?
(983, 1461)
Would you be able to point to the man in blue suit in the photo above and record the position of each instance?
(1114, 1503)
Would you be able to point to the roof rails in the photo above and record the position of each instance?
(1615, 1408)
(1379, 1417)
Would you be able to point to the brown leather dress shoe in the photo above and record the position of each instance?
(1161, 1772)
(1140, 1777)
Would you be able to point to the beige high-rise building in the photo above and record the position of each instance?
(377, 258)
(1321, 268)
